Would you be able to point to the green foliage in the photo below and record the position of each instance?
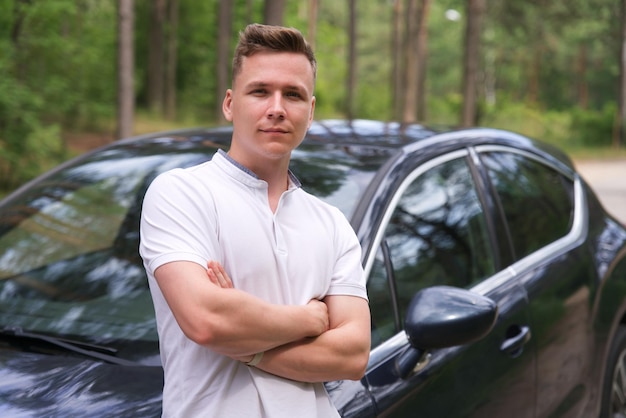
(550, 126)
(332, 68)
(542, 63)
(593, 128)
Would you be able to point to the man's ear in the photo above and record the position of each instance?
(312, 113)
(227, 105)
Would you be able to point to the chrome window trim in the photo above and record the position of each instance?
(396, 197)
(577, 232)
(503, 148)
(399, 341)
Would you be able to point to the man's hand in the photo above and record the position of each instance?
(317, 311)
(218, 275)
(316, 342)
(316, 308)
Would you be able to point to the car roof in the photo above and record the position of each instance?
(368, 134)
(356, 132)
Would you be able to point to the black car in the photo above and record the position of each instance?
(497, 282)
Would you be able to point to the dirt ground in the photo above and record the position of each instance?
(608, 179)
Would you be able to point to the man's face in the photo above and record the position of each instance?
(271, 106)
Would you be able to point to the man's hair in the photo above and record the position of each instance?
(257, 38)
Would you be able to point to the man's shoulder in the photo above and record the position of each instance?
(184, 174)
(317, 202)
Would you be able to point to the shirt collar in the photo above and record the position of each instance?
(293, 180)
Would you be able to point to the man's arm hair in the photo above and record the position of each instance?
(230, 321)
(342, 352)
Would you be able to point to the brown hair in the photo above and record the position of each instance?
(256, 38)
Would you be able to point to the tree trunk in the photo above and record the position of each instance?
(125, 68)
(156, 54)
(620, 138)
(274, 12)
(475, 12)
(352, 40)
(249, 11)
(581, 77)
(312, 30)
(225, 27)
(412, 62)
(397, 75)
(422, 58)
(172, 59)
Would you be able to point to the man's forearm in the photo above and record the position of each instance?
(230, 321)
(340, 353)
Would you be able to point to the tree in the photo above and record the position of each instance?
(620, 139)
(312, 27)
(171, 60)
(397, 69)
(274, 11)
(224, 30)
(351, 76)
(416, 47)
(156, 56)
(125, 90)
(422, 53)
(475, 12)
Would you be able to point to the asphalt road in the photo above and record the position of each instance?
(608, 179)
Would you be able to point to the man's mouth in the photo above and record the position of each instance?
(274, 130)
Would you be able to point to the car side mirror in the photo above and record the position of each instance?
(444, 316)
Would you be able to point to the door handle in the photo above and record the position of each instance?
(517, 337)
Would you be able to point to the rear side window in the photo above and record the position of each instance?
(537, 201)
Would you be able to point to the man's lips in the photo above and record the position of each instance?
(274, 130)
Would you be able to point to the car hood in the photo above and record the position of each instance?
(43, 385)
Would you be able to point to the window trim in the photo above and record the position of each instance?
(398, 341)
(572, 239)
(393, 203)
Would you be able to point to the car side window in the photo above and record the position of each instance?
(385, 322)
(437, 235)
(537, 201)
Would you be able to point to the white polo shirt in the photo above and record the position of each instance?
(307, 249)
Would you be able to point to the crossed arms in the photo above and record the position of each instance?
(320, 341)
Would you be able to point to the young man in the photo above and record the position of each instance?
(257, 286)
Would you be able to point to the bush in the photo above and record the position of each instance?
(548, 126)
(593, 128)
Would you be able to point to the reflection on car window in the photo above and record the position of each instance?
(83, 218)
(69, 262)
(538, 202)
(338, 178)
(437, 234)
(382, 304)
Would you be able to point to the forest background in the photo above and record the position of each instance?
(80, 73)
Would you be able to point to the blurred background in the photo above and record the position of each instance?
(76, 74)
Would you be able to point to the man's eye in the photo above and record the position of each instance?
(294, 94)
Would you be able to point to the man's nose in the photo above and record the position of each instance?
(276, 108)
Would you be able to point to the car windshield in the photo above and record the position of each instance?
(69, 262)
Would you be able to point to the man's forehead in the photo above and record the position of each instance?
(270, 62)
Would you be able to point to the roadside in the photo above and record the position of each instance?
(608, 178)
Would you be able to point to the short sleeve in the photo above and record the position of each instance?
(348, 275)
(175, 224)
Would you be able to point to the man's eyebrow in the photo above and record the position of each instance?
(290, 87)
(257, 84)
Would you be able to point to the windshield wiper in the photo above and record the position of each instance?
(94, 351)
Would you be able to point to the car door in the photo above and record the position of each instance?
(543, 208)
(437, 231)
